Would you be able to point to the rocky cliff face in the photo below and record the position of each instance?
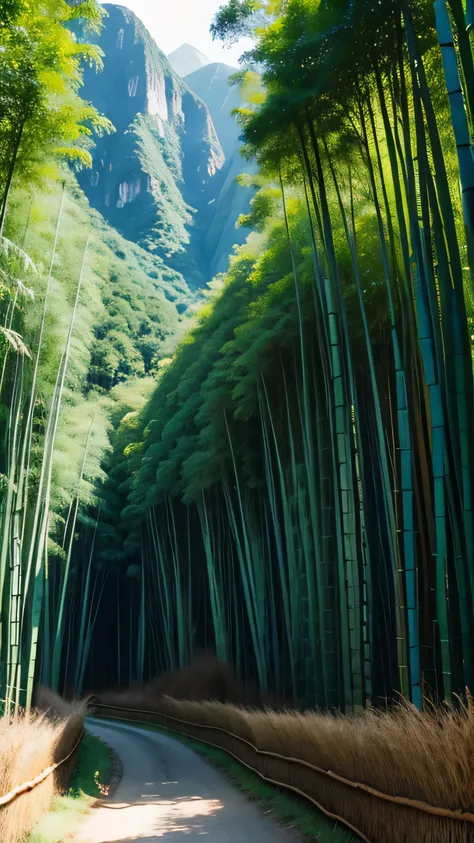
(232, 200)
(211, 84)
(157, 173)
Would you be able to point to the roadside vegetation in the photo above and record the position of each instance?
(383, 774)
(89, 781)
(82, 311)
(30, 745)
(297, 491)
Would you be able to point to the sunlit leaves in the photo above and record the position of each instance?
(40, 73)
(14, 340)
(9, 248)
(235, 19)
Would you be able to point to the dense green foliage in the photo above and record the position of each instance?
(299, 486)
(82, 312)
(40, 73)
(94, 767)
(293, 484)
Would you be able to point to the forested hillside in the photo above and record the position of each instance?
(166, 178)
(83, 312)
(288, 479)
(153, 178)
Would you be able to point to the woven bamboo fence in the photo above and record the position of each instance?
(373, 816)
(25, 803)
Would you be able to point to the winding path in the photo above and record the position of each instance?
(169, 792)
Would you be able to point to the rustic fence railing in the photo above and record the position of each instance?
(7, 798)
(372, 815)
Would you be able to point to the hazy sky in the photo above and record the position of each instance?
(175, 22)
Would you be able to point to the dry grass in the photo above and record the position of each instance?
(426, 757)
(205, 679)
(423, 756)
(29, 744)
(55, 706)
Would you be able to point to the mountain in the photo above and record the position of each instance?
(211, 84)
(232, 201)
(186, 59)
(154, 178)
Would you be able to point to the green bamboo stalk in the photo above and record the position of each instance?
(285, 567)
(94, 608)
(313, 571)
(324, 365)
(189, 578)
(406, 482)
(141, 624)
(410, 565)
(407, 299)
(341, 438)
(458, 352)
(465, 54)
(458, 117)
(26, 446)
(41, 516)
(215, 595)
(245, 564)
(163, 589)
(80, 660)
(432, 355)
(441, 474)
(119, 637)
(8, 558)
(58, 640)
(174, 547)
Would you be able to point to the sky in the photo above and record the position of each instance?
(176, 22)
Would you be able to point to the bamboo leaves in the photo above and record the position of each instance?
(333, 420)
(296, 489)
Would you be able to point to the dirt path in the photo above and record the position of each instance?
(167, 791)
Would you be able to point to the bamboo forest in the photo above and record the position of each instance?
(236, 375)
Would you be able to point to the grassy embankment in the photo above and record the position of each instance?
(30, 745)
(89, 781)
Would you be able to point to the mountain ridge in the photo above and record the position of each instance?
(211, 84)
(152, 179)
(186, 59)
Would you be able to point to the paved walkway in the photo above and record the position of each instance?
(167, 791)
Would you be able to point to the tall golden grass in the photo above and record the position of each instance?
(425, 757)
(29, 744)
(204, 679)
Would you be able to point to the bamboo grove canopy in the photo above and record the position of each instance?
(293, 486)
(299, 489)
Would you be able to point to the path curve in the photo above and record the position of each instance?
(168, 791)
